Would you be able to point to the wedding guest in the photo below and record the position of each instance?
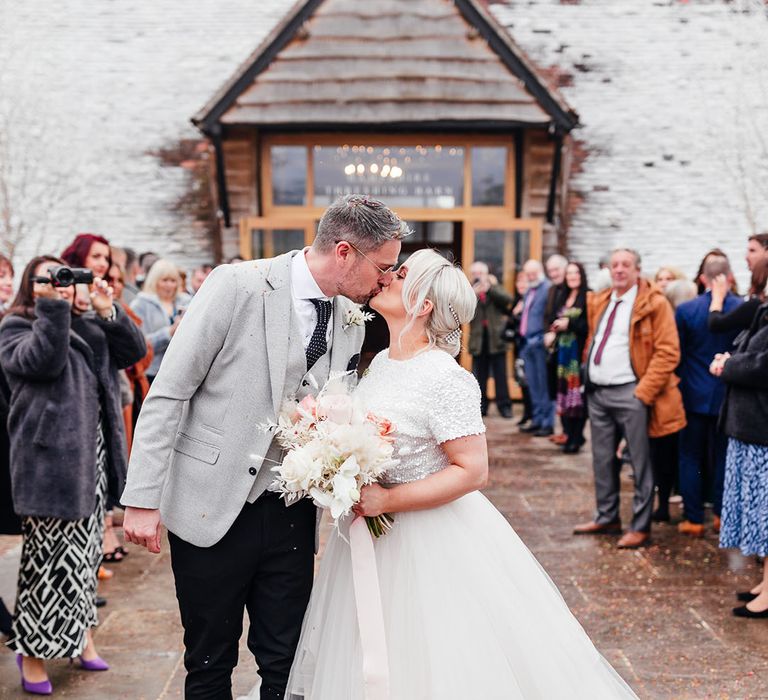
(534, 353)
(160, 305)
(665, 452)
(744, 418)
(488, 350)
(89, 250)
(199, 275)
(713, 253)
(6, 282)
(757, 249)
(67, 451)
(679, 291)
(602, 280)
(555, 269)
(632, 352)
(571, 333)
(146, 260)
(135, 374)
(702, 445)
(10, 523)
(741, 317)
(665, 275)
(131, 270)
(513, 333)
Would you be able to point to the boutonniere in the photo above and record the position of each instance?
(355, 316)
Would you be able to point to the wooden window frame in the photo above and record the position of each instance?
(465, 141)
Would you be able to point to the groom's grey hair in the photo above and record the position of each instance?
(361, 220)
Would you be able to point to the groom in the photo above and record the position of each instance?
(256, 334)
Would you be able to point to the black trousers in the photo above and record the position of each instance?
(264, 564)
(496, 363)
(665, 459)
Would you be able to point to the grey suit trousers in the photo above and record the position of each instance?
(615, 412)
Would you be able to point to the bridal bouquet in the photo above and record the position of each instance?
(333, 449)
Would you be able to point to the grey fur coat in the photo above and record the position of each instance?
(59, 368)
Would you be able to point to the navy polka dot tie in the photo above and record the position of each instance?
(318, 343)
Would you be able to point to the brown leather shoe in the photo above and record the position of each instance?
(593, 528)
(633, 539)
(689, 528)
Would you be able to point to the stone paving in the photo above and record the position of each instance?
(661, 615)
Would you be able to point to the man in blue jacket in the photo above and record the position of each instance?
(534, 353)
(701, 444)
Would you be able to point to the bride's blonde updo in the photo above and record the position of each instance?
(431, 276)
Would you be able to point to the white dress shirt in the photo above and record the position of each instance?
(615, 365)
(304, 288)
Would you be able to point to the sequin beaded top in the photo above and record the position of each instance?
(430, 399)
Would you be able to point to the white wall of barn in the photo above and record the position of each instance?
(673, 101)
(86, 89)
(673, 98)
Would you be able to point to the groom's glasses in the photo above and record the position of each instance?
(383, 271)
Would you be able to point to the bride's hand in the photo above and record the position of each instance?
(373, 501)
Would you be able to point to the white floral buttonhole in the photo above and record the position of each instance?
(355, 316)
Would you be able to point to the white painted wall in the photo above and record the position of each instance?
(674, 109)
(89, 87)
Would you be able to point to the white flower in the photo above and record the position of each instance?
(355, 316)
(299, 470)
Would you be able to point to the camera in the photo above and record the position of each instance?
(63, 276)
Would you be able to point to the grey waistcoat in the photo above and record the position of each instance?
(298, 384)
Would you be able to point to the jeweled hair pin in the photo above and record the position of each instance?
(455, 334)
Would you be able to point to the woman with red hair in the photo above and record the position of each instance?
(89, 250)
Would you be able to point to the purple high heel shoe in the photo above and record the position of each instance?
(41, 688)
(97, 664)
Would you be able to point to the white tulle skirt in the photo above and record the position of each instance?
(468, 613)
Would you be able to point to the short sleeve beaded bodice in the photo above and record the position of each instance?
(430, 399)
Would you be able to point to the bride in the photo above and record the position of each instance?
(468, 611)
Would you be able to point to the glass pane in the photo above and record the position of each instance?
(440, 231)
(270, 242)
(401, 176)
(505, 252)
(289, 175)
(489, 169)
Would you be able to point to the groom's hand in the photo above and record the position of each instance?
(142, 526)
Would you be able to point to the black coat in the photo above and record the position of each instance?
(744, 414)
(59, 369)
(10, 524)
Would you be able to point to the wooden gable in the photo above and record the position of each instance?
(387, 62)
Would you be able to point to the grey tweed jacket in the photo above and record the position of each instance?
(198, 445)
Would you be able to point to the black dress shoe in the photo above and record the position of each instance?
(746, 596)
(744, 611)
(100, 602)
(571, 448)
(532, 428)
(506, 412)
(523, 420)
(544, 432)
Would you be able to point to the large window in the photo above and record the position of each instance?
(489, 169)
(289, 175)
(505, 251)
(406, 176)
(439, 174)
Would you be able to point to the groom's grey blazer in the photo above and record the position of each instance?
(200, 439)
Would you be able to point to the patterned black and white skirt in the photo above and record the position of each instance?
(56, 598)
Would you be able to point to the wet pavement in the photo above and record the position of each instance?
(661, 615)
